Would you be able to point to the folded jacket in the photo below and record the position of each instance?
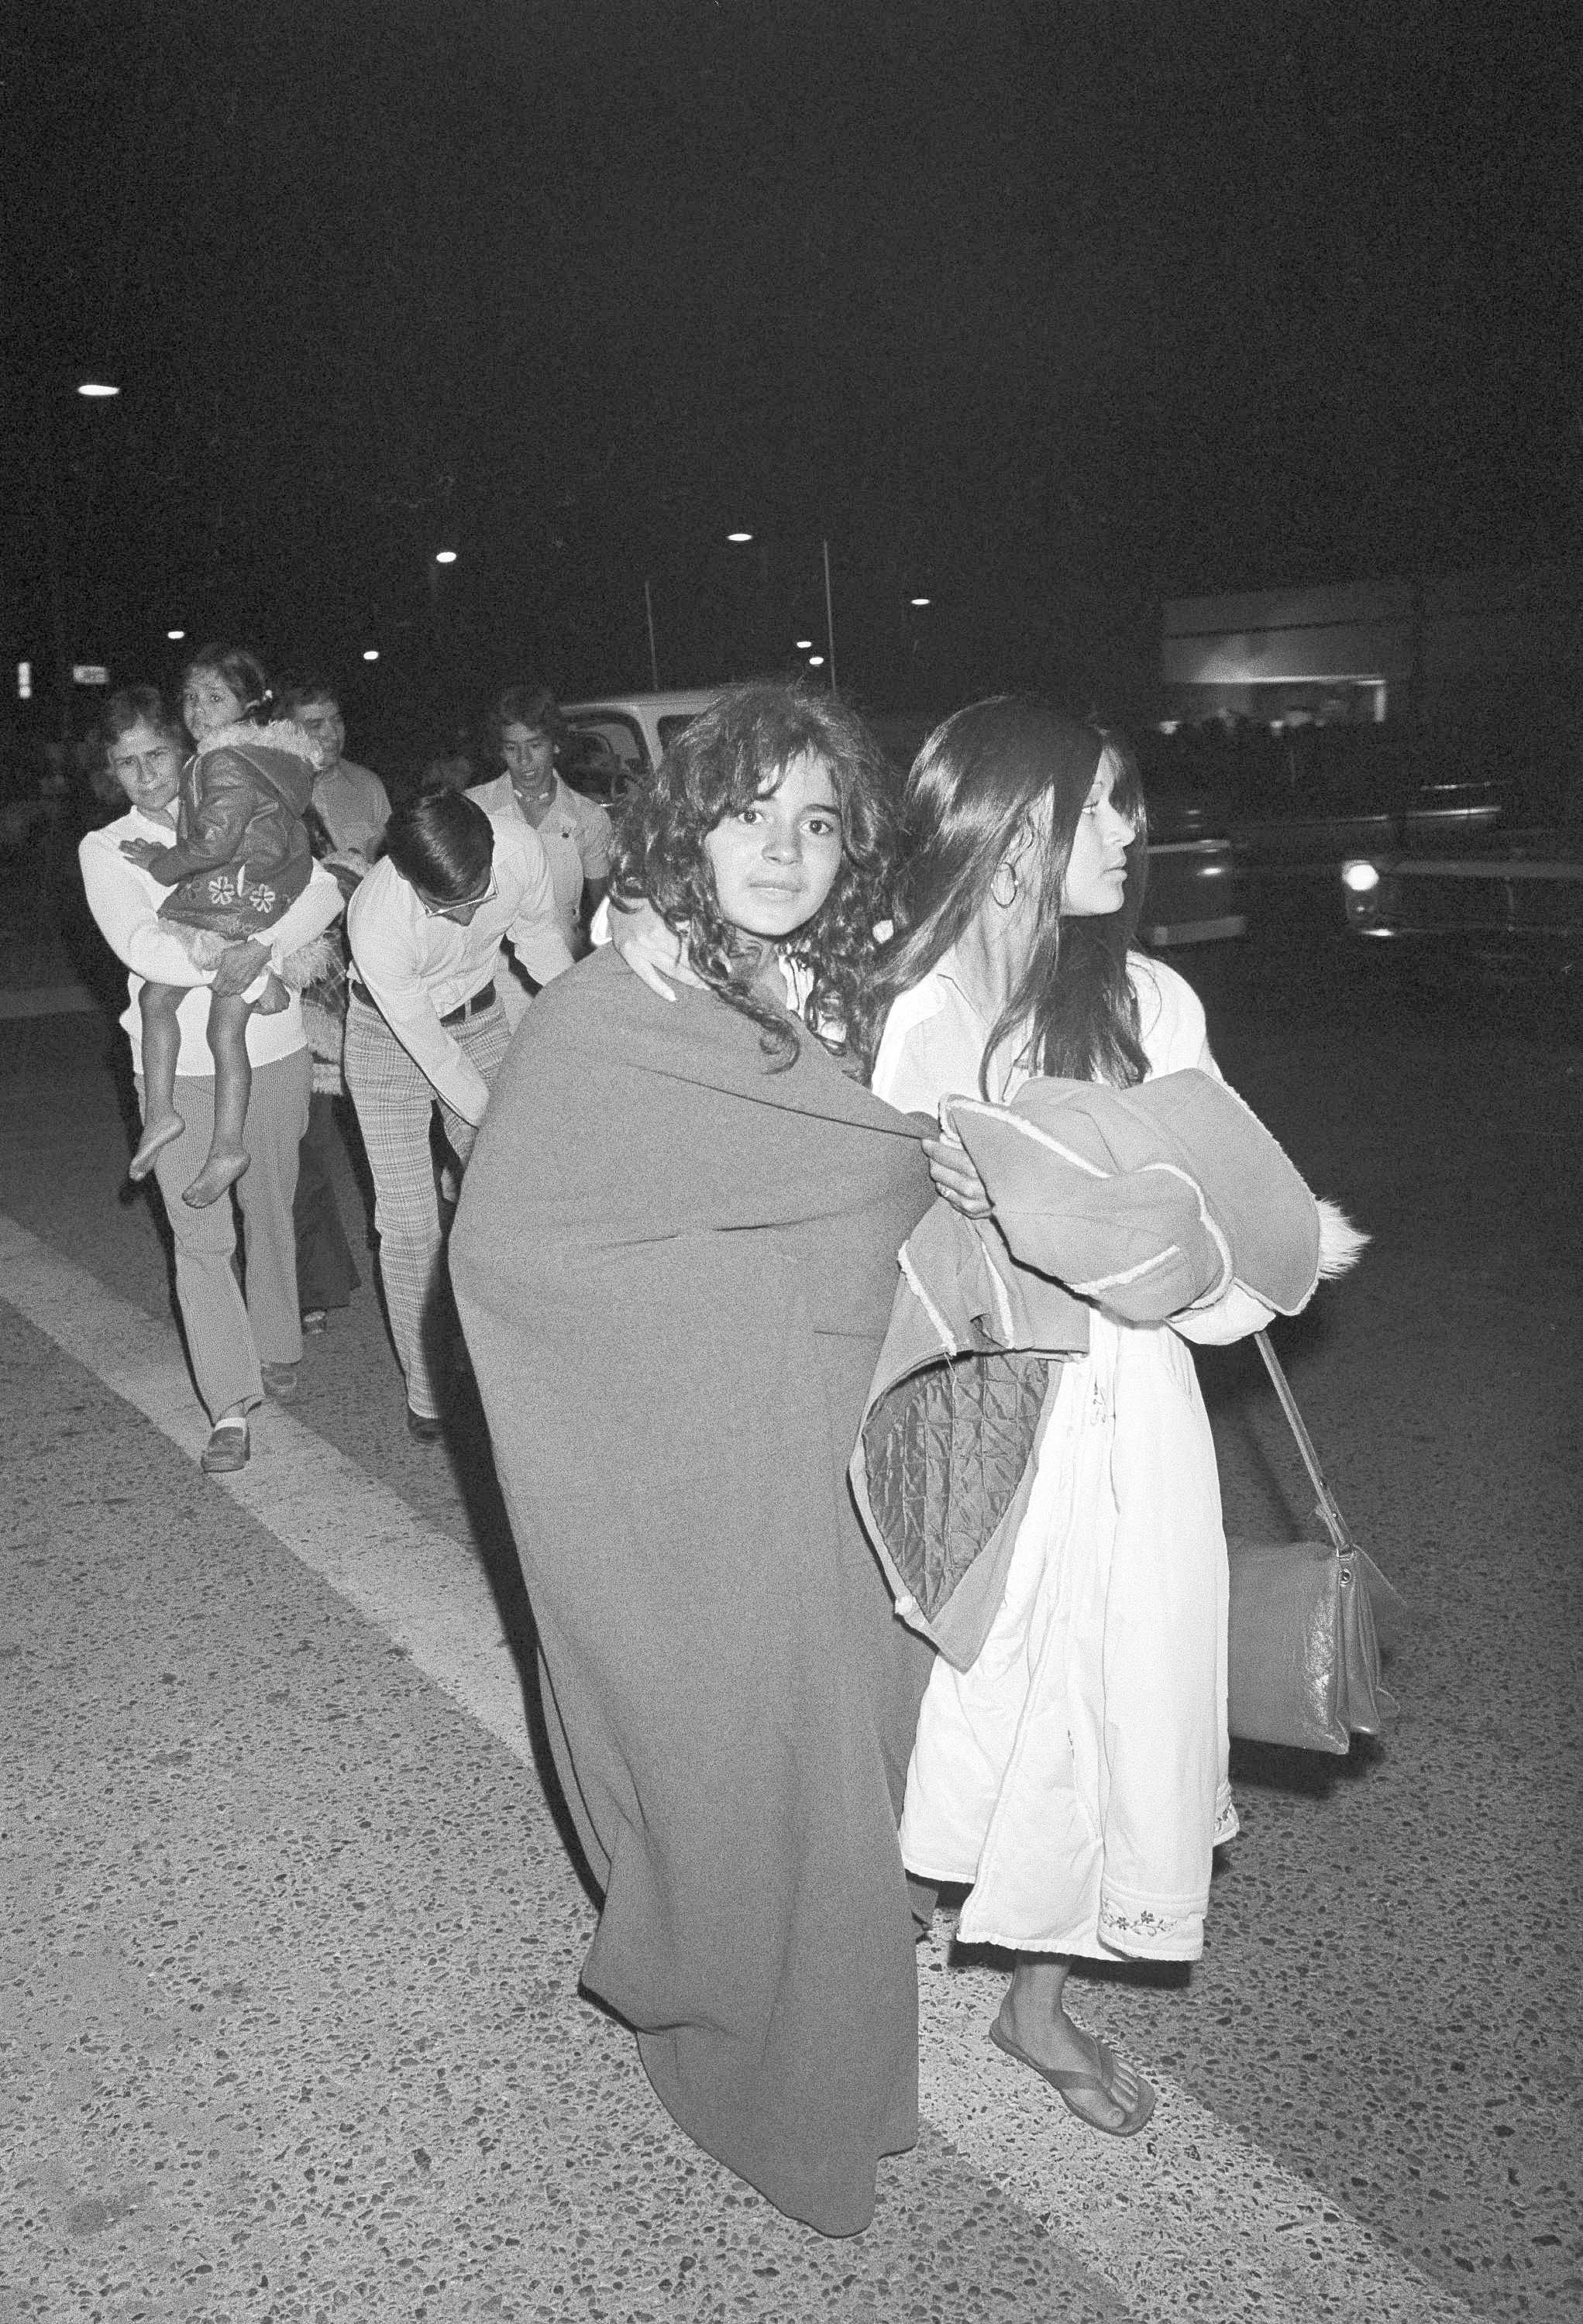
(1154, 1199)
(1147, 1202)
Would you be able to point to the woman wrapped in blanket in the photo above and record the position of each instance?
(674, 1260)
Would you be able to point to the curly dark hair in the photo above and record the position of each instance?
(735, 751)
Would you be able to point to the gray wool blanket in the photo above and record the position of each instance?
(674, 1268)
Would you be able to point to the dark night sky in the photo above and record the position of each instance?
(1049, 311)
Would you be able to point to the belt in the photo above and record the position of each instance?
(475, 1007)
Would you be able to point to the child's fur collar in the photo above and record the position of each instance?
(280, 735)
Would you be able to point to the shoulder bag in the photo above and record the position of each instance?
(1307, 1617)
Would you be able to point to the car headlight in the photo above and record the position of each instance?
(1360, 878)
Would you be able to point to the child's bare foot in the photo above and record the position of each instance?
(162, 1131)
(272, 999)
(219, 1173)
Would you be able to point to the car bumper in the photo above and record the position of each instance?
(1165, 935)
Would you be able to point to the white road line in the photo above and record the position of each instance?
(417, 1584)
(1188, 2220)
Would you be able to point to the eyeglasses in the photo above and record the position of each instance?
(449, 911)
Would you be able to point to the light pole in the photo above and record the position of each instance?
(93, 390)
(654, 655)
(740, 539)
(441, 612)
(829, 618)
(52, 567)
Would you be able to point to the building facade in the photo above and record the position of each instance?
(1429, 649)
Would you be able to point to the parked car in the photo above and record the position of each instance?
(620, 737)
(1197, 891)
(1508, 908)
(1298, 801)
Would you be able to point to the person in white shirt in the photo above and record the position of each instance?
(237, 1350)
(425, 1025)
(574, 831)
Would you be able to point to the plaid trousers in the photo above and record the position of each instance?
(395, 1104)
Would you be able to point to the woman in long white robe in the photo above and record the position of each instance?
(1075, 1775)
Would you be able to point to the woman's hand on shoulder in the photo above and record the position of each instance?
(654, 952)
(142, 852)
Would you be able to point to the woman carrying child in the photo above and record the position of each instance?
(239, 1345)
(240, 859)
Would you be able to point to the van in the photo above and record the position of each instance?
(618, 738)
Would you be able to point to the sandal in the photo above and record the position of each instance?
(1064, 2079)
(228, 1448)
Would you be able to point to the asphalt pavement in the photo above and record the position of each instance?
(289, 2009)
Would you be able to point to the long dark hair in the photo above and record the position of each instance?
(733, 752)
(1006, 776)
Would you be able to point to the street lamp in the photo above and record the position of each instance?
(918, 601)
(95, 391)
(371, 654)
(804, 645)
(445, 557)
(175, 636)
(739, 539)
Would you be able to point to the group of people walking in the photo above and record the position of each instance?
(690, 1164)
(225, 890)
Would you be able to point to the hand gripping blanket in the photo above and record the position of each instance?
(674, 1267)
(1146, 1200)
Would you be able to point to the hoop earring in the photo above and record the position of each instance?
(1005, 902)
